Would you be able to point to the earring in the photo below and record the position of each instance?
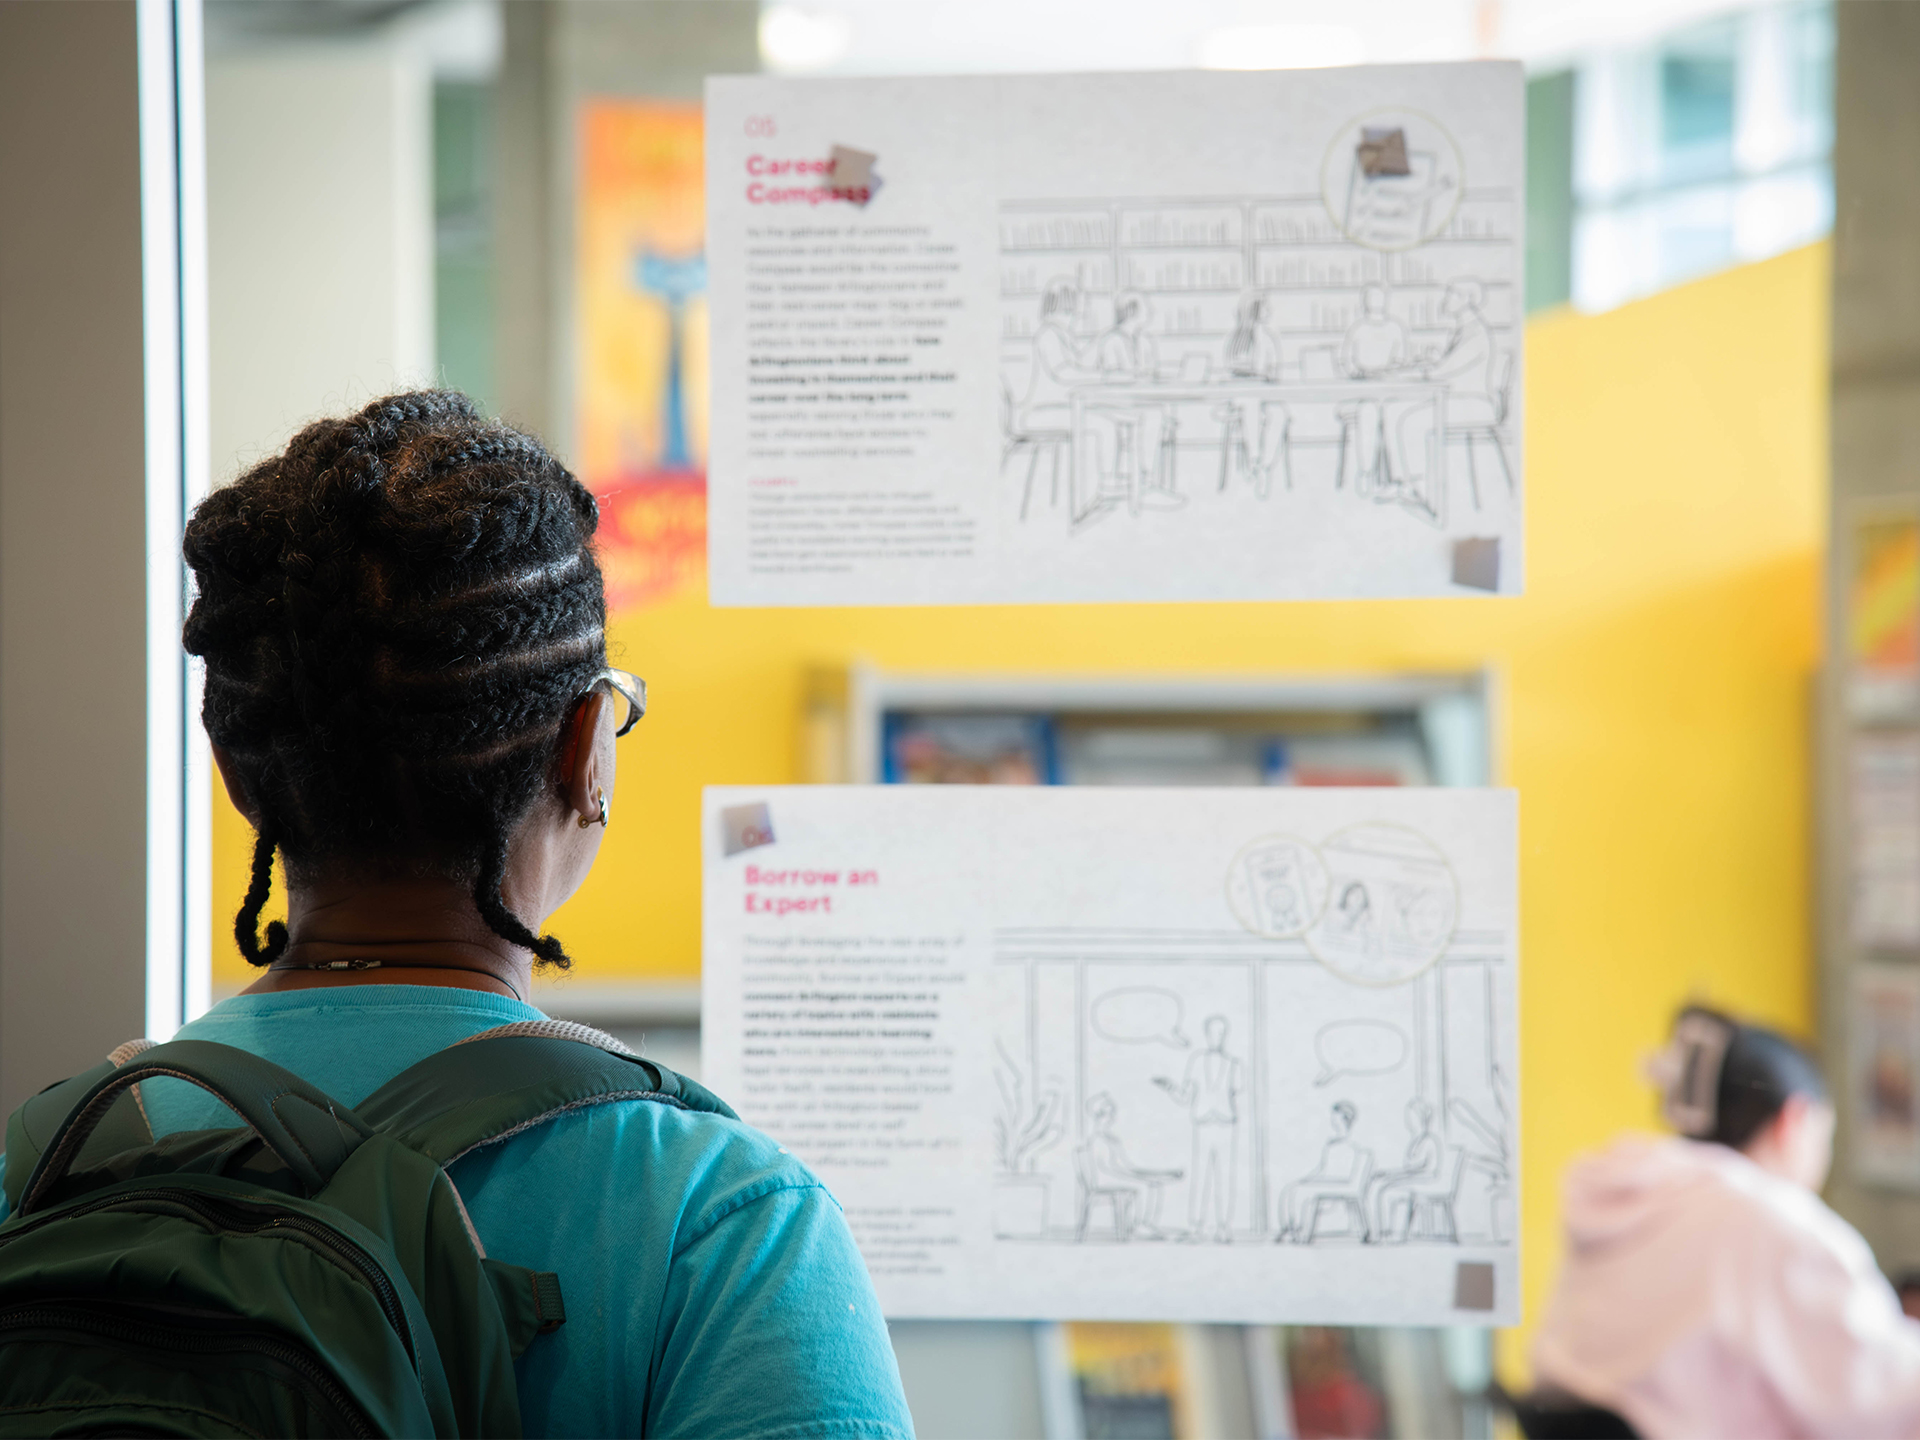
(605, 811)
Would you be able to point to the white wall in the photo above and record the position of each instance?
(73, 542)
(319, 238)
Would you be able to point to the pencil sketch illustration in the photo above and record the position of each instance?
(1392, 179)
(1166, 358)
(1106, 1177)
(1210, 1093)
(1027, 1124)
(1290, 1079)
(1393, 907)
(1375, 902)
(1277, 886)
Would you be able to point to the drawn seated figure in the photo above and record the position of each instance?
(1058, 362)
(1253, 353)
(1126, 351)
(1396, 1186)
(1106, 1171)
(1376, 343)
(1142, 434)
(1341, 1174)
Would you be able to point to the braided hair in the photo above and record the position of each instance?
(397, 616)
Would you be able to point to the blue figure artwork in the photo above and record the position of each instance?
(676, 280)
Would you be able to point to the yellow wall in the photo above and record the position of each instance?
(1653, 710)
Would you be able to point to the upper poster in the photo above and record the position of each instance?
(1228, 1054)
(1160, 336)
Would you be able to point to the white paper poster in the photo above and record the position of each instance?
(1885, 852)
(1158, 336)
(1886, 1074)
(1205, 1055)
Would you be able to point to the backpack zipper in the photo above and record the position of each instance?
(176, 1336)
(223, 1215)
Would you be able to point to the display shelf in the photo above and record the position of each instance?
(845, 713)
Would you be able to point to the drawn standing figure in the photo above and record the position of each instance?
(1211, 1091)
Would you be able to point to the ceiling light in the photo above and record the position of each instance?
(792, 38)
(1277, 47)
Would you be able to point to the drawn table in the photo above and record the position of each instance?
(1088, 499)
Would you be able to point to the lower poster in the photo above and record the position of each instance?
(1886, 1074)
(1221, 1055)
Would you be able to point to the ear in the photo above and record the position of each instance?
(587, 760)
(236, 787)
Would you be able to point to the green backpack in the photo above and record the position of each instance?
(311, 1273)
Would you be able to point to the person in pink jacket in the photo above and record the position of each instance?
(1707, 1290)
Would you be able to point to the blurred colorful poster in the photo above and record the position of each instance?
(1136, 1380)
(640, 326)
(1885, 853)
(1883, 617)
(1886, 1074)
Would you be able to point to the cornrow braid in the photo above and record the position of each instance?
(246, 925)
(397, 615)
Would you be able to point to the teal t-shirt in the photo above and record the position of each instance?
(711, 1283)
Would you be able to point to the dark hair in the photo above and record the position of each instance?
(1724, 1081)
(397, 615)
(1762, 1069)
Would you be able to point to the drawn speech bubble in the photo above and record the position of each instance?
(1138, 1014)
(1358, 1047)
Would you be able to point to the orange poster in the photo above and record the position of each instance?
(1883, 617)
(640, 359)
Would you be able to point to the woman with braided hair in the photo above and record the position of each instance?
(408, 696)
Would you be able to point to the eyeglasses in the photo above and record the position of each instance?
(630, 688)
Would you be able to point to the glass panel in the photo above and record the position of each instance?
(463, 236)
(1697, 79)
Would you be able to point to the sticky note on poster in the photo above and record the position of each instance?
(1196, 1055)
(1156, 336)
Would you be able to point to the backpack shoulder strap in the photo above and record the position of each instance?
(495, 1084)
(32, 1127)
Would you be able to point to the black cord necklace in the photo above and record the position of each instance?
(363, 963)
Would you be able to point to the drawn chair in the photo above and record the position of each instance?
(1349, 1200)
(1034, 443)
(1235, 452)
(1473, 418)
(1319, 364)
(1430, 1206)
(1233, 442)
(1120, 1198)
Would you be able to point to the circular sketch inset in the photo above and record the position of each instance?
(1392, 179)
(1277, 886)
(1393, 903)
